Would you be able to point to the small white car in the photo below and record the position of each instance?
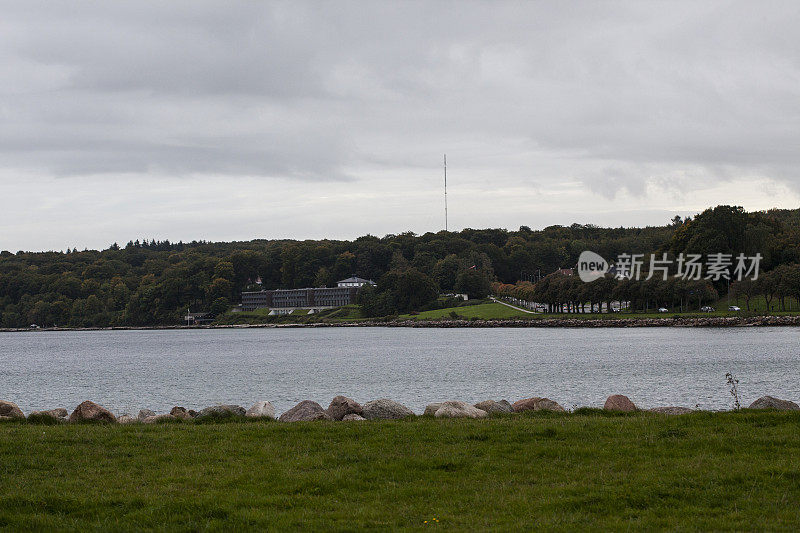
(707, 309)
(734, 308)
(663, 310)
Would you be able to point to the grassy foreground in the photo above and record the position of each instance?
(587, 470)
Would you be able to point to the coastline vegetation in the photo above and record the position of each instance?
(483, 310)
(150, 283)
(538, 470)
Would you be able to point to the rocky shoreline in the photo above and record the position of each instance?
(565, 322)
(341, 408)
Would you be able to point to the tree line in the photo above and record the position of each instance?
(155, 282)
(723, 230)
(560, 293)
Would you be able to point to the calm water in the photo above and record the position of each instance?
(129, 370)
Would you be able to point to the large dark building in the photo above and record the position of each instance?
(321, 298)
(299, 298)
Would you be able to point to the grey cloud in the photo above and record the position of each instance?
(618, 96)
(671, 82)
(611, 180)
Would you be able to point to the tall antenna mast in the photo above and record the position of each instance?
(445, 192)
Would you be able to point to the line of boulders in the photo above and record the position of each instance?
(565, 321)
(344, 409)
(593, 322)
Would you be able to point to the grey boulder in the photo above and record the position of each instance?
(491, 406)
(261, 410)
(305, 411)
(431, 408)
(454, 409)
(619, 402)
(10, 410)
(145, 413)
(770, 402)
(127, 419)
(352, 417)
(180, 412)
(536, 404)
(221, 411)
(89, 411)
(385, 409)
(342, 406)
(59, 414)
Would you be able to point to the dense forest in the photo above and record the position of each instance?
(722, 230)
(151, 283)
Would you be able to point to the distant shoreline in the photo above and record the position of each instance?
(565, 322)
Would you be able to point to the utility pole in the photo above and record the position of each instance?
(445, 192)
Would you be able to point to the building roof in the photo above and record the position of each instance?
(355, 280)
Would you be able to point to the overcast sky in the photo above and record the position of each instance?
(241, 120)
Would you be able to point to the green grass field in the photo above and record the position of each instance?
(343, 314)
(346, 313)
(583, 471)
(485, 311)
(493, 311)
(490, 311)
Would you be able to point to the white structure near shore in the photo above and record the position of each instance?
(354, 282)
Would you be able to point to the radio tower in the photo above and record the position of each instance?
(445, 192)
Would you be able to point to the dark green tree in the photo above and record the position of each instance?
(473, 282)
